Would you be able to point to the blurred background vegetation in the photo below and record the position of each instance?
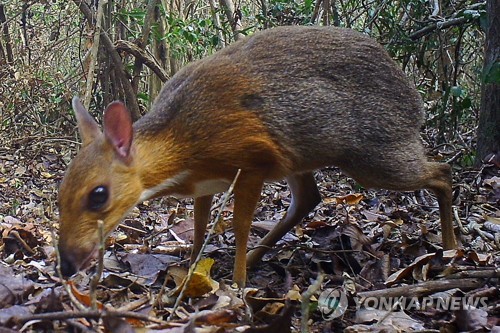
(50, 51)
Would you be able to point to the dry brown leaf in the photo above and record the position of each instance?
(350, 199)
(294, 293)
(355, 233)
(200, 282)
(419, 262)
(480, 258)
(47, 175)
(399, 320)
(493, 182)
(317, 224)
(216, 318)
(83, 298)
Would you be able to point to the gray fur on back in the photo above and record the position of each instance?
(327, 95)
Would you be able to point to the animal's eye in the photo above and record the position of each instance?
(98, 197)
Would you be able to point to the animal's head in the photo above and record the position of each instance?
(101, 183)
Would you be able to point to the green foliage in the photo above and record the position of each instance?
(133, 14)
(456, 91)
(194, 38)
(188, 38)
(445, 64)
(463, 101)
(286, 12)
(143, 97)
(468, 159)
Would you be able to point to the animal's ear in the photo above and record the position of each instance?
(118, 129)
(87, 126)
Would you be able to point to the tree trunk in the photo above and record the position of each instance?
(488, 136)
(6, 36)
(120, 72)
(143, 42)
(233, 18)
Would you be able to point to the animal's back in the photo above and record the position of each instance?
(276, 105)
(326, 95)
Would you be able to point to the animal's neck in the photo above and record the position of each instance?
(161, 161)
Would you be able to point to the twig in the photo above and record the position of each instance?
(70, 322)
(157, 301)
(77, 325)
(143, 41)
(459, 222)
(390, 312)
(424, 288)
(94, 314)
(142, 56)
(233, 18)
(124, 226)
(66, 287)
(100, 266)
(116, 60)
(25, 245)
(225, 198)
(435, 9)
(438, 26)
(216, 21)
(93, 55)
(305, 300)
(134, 304)
(487, 273)
(331, 252)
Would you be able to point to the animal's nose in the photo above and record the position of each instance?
(68, 267)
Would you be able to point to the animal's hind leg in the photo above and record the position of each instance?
(305, 196)
(438, 180)
(407, 170)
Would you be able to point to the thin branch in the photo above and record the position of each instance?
(93, 55)
(94, 314)
(6, 35)
(306, 299)
(21, 241)
(435, 9)
(216, 20)
(233, 18)
(146, 29)
(132, 104)
(66, 287)
(131, 48)
(94, 282)
(225, 198)
(425, 288)
(438, 26)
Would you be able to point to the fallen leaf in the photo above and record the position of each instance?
(85, 299)
(350, 199)
(419, 262)
(397, 319)
(200, 282)
(13, 287)
(471, 320)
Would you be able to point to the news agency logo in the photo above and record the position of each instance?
(451, 303)
(332, 303)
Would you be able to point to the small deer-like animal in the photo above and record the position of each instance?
(278, 104)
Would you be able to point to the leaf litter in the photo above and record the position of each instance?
(373, 244)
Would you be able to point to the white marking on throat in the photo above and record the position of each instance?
(165, 185)
(211, 186)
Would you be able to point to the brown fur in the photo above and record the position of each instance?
(276, 105)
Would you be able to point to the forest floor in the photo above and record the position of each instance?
(371, 246)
